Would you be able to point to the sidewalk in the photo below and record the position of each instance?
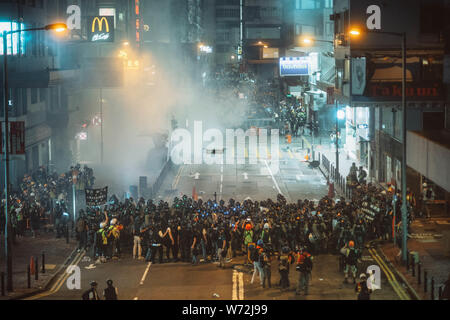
(56, 252)
(323, 146)
(427, 238)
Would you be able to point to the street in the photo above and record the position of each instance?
(138, 280)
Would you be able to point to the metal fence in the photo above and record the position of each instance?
(429, 286)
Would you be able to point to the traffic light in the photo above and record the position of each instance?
(85, 124)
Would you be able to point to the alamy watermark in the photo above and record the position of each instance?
(188, 148)
(373, 277)
(73, 282)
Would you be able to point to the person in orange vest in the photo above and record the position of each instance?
(304, 267)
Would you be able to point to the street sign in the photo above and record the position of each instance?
(100, 29)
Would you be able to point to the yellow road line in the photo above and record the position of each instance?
(386, 267)
(280, 156)
(55, 288)
(246, 153)
(234, 295)
(392, 280)
(269, 156)
(290, 154)
(394, 286)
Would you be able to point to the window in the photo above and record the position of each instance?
(227, 2)
(34, 95)
(34, 42)
(270, 12)
(297, 29)
(431, 17)
(431, 69)
(297, 4)
(310, 4)
(397, 115)
(42, 94)
(227, 13)
(24, 100)
(308, 30)
(223, 48)
(14, 42)
(387, 121)
(328, 3)
(223, 36)
(329, 26)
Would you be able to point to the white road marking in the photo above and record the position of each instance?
(145, 273)
(245, 174)
(273, 178)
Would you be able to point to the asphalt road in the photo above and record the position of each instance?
(141, 281)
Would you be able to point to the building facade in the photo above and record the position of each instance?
(369, 76)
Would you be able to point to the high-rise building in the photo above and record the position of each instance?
(369, 81)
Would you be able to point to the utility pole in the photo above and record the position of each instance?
(404, 208)
(337, 140)
(8, 252)
(101, 112)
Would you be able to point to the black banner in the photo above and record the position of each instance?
(96, 197)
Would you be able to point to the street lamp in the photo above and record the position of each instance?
(58, 27)
(309, 41)
(402, 35)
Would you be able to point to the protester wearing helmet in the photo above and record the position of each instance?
(350, 255)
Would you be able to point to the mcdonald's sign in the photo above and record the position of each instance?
(101, 29)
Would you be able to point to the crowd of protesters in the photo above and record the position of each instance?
(208, 231)
(41, 201)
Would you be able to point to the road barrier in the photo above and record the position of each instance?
(2, 276)
(429, 283)
(28, 277)
(43, 262)
(157, 185)
(36, 272)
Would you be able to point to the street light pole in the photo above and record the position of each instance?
(404, 208)
(337, 140)
(403, 169)
(8, 253)
(59, 27)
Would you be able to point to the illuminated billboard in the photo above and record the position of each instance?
(101, 29)
(295, 66)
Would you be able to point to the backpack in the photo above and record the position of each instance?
(254, 256)
(248, 236)
(110, 293)
(85, 295)
(265, 236)
(308, 265)
(351, 258)
(261, 260)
